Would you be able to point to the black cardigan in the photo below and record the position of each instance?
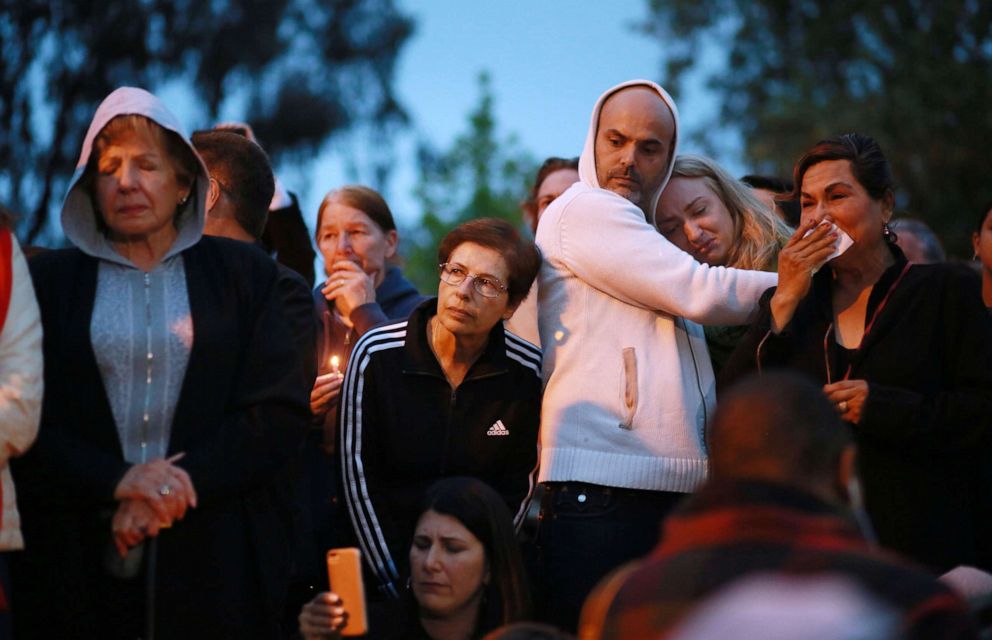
(924, 436)
(240, 419)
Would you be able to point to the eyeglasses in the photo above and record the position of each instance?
(455, 274)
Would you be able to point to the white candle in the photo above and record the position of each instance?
(335, 364)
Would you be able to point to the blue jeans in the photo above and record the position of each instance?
(585, 532)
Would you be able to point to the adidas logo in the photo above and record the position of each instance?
(498, 429)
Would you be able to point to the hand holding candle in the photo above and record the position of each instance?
(326, 388)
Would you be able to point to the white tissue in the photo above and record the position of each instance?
(843, 243)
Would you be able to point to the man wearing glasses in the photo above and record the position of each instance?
(629, 385)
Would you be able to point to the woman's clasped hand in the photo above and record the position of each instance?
(151, 495)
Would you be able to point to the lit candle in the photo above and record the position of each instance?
(335, 364)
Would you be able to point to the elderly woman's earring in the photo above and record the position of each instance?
(889, 235)
(182, 201)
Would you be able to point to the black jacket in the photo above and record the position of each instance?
(240, 419)
(924, 436)
(402, 427)
(286, 235)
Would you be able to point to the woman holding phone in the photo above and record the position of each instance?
(467, 577)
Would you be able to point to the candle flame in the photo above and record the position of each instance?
(335, 364)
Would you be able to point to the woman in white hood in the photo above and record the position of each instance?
(156, 499)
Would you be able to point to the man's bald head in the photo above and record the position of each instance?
(635, 138)
(778, 427)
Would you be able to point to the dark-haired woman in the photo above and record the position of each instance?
(466, 579)
(445, 392)
(904, 352)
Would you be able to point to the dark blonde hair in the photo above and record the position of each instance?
(758, 232)
(184, 162)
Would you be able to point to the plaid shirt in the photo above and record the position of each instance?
(734, 529)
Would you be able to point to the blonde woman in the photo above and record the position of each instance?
(715, 218)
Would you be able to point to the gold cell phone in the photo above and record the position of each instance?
(344, 571)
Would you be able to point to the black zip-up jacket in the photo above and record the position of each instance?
(402, 427)
(925, 431)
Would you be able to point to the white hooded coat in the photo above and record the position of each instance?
(629, 386)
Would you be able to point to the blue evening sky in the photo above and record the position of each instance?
(548, 61)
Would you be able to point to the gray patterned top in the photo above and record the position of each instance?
(142, 335)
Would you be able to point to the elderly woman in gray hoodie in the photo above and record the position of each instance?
(156, 499)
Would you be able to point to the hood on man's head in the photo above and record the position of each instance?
(587, 161)
(79, 217)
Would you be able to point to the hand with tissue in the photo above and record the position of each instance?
(809, 248)
(843, 243)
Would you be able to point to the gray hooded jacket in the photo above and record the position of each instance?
(141, 329)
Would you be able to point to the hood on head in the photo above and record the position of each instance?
(587, 161)
(79, 218)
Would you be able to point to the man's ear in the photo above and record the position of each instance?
(213, 194)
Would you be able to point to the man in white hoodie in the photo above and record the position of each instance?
(629, 385)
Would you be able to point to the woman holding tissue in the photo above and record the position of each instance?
(155, 500)
(904, 352)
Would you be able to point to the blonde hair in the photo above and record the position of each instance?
(758, 232)
(176, 149)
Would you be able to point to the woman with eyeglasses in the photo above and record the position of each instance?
(446, 392)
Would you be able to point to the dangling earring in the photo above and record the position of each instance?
(889, 235)
(409, 582)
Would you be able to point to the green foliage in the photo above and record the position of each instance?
(915, 75)
(479, 175)
(302, 70)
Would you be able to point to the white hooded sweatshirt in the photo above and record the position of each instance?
(629, 386)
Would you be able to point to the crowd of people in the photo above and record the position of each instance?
(678, 405)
